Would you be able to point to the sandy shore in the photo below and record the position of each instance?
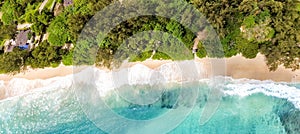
(45, 73)
(240, 67)
(236, 67)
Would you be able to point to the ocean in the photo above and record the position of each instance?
(244, 106)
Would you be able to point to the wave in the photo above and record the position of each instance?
(140, 75)
(20, 86)
(247, 87)
(173, 72)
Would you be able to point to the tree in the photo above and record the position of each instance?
(75, 23)
(57, 30)
(67, 58)
(44, 55)
(13, 62)
(10, 12)
(7, 31)
(45, 17)
(38, 27)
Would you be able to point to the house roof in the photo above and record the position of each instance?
(68, 2)
(22, 38)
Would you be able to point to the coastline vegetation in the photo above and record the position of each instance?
(249, 27)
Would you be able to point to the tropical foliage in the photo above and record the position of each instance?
(248, 27)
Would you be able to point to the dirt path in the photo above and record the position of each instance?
(23, 26)
(43, 5)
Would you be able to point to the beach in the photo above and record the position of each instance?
(236, 67)
(44, 73)
(48, 97)
(239, 67)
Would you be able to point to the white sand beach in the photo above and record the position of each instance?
(236, 67)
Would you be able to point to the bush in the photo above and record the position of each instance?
(68, 58)
(57, 30)
(249, 21)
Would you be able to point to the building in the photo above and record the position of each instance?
(24, 47)
(68, 3)
(22, 41)
(22, 38)
(202, 35)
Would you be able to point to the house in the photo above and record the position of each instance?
(68, 3)
(22, 38)
(20, 41)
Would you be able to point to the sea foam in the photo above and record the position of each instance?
(246, 87)
(21, 86)
(106, 81)
(139, 74)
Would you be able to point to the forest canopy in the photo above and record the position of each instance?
(249, 27)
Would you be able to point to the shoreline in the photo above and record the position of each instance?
(237, 67)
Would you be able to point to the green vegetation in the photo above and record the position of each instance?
(145, 23)
(13, 62)
(67, 59)
(7, 31)
(160, 56)
(10, 12)
(141, 57)
(269, 27)
(49, 4)
(13, 10)
(44, 55)
(249, 21)
(248, 27)
(57, 32)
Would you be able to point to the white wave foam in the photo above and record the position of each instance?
(2, 88)
(106, 81)
(245, 88)
(140, 74)
(20, 86)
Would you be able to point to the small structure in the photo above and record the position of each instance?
(200, 36)
(7, 46)
(242, 29)
(23, 26)
(20, 41)
(195, 47)
(58, 9)
(68, 3)
(22, 38)
(24, 47)
(68, 46)
(0, 15)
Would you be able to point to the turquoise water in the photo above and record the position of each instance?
(58, 111)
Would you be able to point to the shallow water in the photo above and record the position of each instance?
(247, 106)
